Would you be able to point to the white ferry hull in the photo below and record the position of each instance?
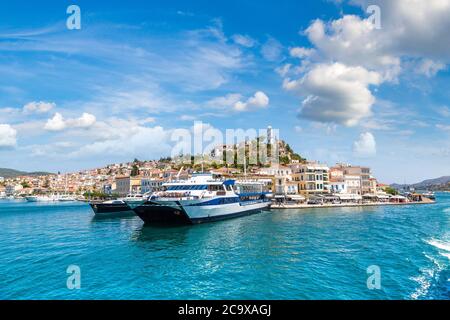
(191, 213)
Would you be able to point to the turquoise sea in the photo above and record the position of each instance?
(292, 254)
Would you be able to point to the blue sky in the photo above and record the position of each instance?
(338, 88)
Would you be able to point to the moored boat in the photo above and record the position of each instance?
(202, 199)
(430, 195)
(110, 207)
(119, 206)
(42, 198)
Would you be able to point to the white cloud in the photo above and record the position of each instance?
(410, 29)
(147, 120)
(336, 93)
(38, 107)
(259, 100)
(300, 52)
(187, 117)
(225, 101)
(444, 111)
(365, 146)
(355, 42)
(443, 127)
(85, 121)
(414, 37)
(429, 67)
(58, 123)
(8, 136)
(414, 28)
(244, 40)
(284, 70)
(134, 141)
(234, 101)
(272, 50)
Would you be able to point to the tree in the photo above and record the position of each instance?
(284, 160)
(135, 170)
(391, 191)
(25, 185)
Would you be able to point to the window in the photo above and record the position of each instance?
(215, 188)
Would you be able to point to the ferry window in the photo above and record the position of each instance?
(215, 187)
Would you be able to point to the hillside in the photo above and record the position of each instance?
(11, 173)
(441, 183)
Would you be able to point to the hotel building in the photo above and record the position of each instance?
(311, 178)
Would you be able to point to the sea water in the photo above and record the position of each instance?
(279, 254)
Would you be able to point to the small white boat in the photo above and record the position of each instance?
(65, 198)
(430, 195)
(40, 198)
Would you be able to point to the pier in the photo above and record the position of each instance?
(340, 205)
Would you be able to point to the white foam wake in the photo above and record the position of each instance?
(428, 275)
(444, 254)
(442, 245)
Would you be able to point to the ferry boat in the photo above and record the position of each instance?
(202, 199)
(119, 206)
(110, 207)
(430, 195)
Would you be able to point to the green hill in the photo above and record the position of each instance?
(11, 173)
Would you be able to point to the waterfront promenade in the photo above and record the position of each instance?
(341, 205)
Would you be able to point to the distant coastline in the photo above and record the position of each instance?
(11, 173)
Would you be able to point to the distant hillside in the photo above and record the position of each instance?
(11, 173)
(442, 183)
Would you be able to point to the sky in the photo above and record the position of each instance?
(343, 81)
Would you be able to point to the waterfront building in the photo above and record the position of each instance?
(282, 179)
(373, 185)
(276, 170)
(12, 189)
(107, 189)
(150, 185)
(353, 184)
(284, 185)
(338, 186)
(126, 185)
(364, 174)
(311, 178)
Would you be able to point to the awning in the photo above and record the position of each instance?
(349, 196)
(399, 197)
(369, 195)
(296, 197)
